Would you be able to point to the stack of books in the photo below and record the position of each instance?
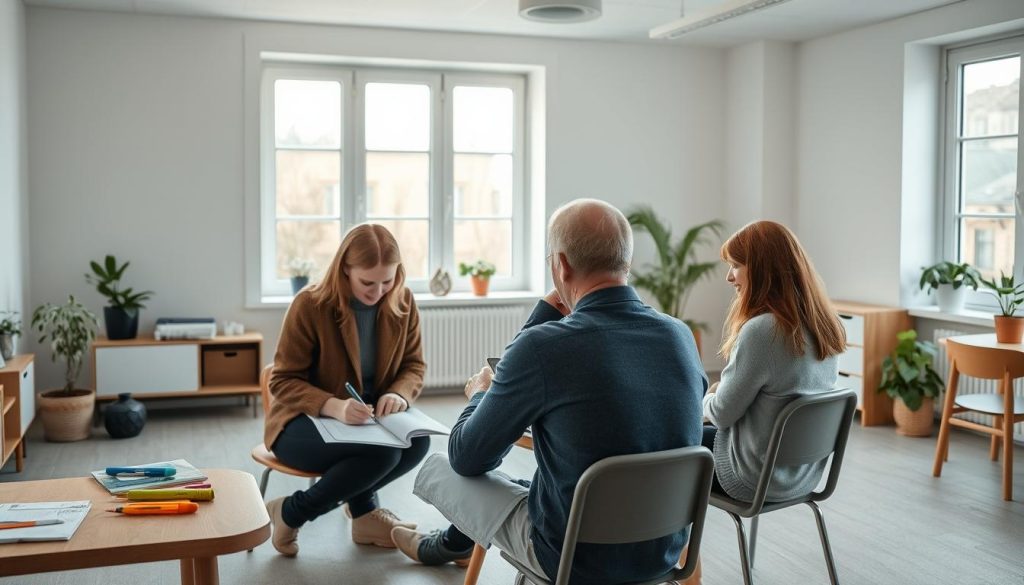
(184, 474)
(185, 328)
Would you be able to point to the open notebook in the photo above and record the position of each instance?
(184, 474)
(72, 514)
(394, 430)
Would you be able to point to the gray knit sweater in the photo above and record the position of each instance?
(762, 376)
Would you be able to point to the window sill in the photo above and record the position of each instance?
(965, 316)
(456, 299)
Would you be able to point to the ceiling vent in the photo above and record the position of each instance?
(560, 11)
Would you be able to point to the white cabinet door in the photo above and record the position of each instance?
(147, 369)
(27, 396)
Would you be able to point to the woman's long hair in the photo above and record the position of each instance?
(782, 281)
(365, 246)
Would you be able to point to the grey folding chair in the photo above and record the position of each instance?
(605, 508)
(808, 430)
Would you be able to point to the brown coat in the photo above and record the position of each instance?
(318, 351)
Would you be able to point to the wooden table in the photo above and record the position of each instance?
(235, 521)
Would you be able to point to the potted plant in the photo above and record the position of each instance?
(300, 269)
(950, 282)
(908, 378)
(480, 273)
(10, 327)
(66, 413)
(672, 280)
(121, 316)
(1009, 327)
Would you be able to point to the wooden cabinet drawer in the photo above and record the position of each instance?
(854, 325)
(147, 369)
(230, 366)
(855, 383)
(851, 361)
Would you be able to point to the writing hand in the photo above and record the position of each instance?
(355, 413)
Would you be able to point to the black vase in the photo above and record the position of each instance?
(124, 418)
(121, 324)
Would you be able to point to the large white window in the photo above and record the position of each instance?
(982, 185)
(437, 158)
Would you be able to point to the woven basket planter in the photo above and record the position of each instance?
(914, 423)
(67, 418)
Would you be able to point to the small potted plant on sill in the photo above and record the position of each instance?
(950, 282)
(121, 315)
(10, 327)
(480, 273)
(1009, 327)
(908, 378)
(67, 412)
(300, 269)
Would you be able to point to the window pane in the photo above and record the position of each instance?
(989, 175)
(991, 91)
(482, 119)
(397, 184)
(397, 117)
(308, 183)
(307, 113)
(414, 243)
(489, 240)
(483, 185)
(311, 240)
(987, 244)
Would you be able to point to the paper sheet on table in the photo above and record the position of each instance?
(72, 513)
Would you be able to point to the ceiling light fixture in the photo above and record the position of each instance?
(685, 24)
(560, 11)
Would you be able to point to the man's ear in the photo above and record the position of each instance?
(565, 271)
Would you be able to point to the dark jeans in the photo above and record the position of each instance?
(708, 440)
(349, 472)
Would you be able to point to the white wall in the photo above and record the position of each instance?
(136, 138)
(13, 160)
(849, 147)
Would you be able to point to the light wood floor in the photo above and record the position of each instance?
(890, 521)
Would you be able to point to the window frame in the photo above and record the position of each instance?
(353, 209)
(951, 157)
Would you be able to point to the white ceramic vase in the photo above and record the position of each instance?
(950, 300)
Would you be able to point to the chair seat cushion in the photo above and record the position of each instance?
(988, 403)
(266, 457)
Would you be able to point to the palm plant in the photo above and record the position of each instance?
(671, 281)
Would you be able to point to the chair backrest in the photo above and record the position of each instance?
(989, 363)
(808, 430)
(265, 388)
(633, 498)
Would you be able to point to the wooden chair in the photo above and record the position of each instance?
(265, 456)
(987, 363)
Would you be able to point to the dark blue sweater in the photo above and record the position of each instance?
(612, 378)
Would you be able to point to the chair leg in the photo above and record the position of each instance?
(264, 478)
(825, 546)
(752, 539)
(942, 446)
(1008, 456)
(993, 448)
(742, 541)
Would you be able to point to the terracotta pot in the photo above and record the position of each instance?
(1009, 329)
(914, 423)
(66, 418)
(479, 285)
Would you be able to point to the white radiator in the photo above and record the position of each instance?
(457, 340)
(969, 385)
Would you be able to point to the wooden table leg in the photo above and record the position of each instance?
(206, 571)
(188, 572)
(476, 562)
(19, 456)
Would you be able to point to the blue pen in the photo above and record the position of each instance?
(356, 395)
(144, 471)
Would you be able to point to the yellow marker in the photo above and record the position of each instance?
(196, 495)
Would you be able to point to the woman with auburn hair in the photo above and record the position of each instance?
(781, 339)
(358, 325)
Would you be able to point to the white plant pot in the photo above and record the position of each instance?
(951, 300)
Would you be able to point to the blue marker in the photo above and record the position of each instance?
(352, 391)
(143, 471)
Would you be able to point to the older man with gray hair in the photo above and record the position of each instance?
(595, 373)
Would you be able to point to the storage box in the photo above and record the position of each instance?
(226, 365)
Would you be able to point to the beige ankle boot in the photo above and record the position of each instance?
(375, 528)
(284, 537)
